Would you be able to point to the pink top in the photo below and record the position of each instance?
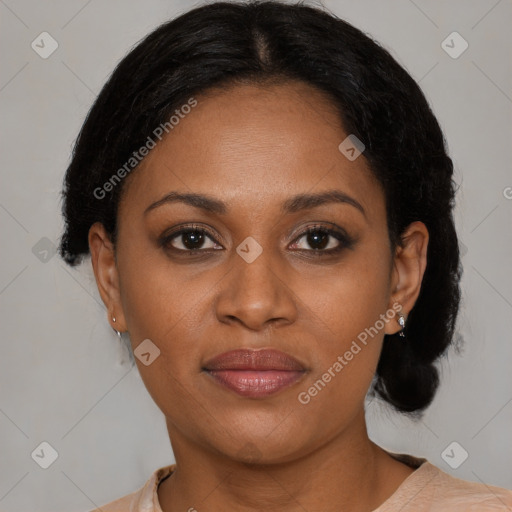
(428, 489)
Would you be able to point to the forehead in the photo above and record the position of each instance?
(253, 145)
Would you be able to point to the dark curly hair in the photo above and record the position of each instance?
(223, 44)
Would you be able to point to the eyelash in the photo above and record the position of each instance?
(346, 242)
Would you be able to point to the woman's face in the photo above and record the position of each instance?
(256, 154)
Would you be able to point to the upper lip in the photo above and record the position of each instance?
(254, 359)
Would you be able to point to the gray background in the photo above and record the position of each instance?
(61, 376)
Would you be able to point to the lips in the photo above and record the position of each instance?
(255, 373)
(245, 359)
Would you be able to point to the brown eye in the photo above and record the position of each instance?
(324, 240)
(190, 240)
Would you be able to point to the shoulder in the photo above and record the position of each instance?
(124, 504)
(143, 500)
(460, 494)
(431, 489)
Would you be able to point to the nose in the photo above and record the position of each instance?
(256, 294)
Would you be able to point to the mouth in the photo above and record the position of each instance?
(255, 373)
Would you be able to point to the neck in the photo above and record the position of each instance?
(348, 472)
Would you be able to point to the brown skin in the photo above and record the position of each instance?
(253, 147)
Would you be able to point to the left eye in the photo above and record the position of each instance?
(321, 239)
(190, 239)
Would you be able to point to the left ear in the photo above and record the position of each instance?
(408, 268)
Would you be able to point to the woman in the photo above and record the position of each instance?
(267, 201)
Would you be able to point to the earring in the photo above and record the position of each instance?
(401, 321)
(115, 330)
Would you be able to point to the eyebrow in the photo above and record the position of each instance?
(291, 205)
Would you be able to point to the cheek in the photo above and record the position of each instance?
(346, 299)
(348, 311)
(346, 361)
(168, 304)
(161, 307)
(159, 298)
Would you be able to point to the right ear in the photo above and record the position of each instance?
(106, 274)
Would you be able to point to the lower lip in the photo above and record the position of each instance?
(254, 383)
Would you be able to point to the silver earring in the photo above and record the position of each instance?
(401, 321)
(115, 330)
